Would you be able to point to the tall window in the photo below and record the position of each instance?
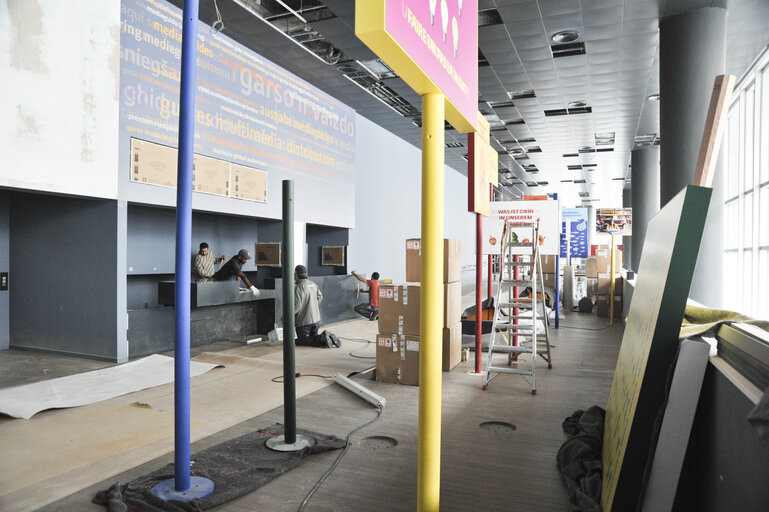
(746, 259)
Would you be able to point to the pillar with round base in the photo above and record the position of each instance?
(200, 488)
(278, 443)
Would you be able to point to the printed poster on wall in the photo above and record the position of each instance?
(576, 223)
(523, 212)
(614, 221)
(248, 110)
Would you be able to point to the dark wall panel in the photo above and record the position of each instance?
(63, 254)
(319, 236)
(4, 266)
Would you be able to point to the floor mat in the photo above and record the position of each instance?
(236, 467)
(94, 386)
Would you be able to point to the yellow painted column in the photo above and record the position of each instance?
(611, 293)
(431, 312)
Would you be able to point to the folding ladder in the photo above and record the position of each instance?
(507, 330)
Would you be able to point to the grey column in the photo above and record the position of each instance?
(645, 191)
(627, 241)
(692, 54)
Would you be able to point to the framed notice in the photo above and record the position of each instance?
(649, 344)
(332, 255)
(210, 175)
(153, 163)
(249, 183)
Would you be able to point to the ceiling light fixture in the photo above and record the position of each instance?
(577, 104)
(565, 36)
(653, 97)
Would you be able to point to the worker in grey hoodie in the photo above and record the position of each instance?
(307, 295)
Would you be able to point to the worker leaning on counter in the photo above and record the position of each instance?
(234, 268)
(205, 264)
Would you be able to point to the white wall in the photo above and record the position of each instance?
(59, 62)
(388, 204)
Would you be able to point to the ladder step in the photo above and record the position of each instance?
(511, 349)
(503, 369)
(520, 244)
(523, 225)
(517, 282)
(512, 327)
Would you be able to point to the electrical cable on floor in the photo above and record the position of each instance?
(339, 458)
(279, 378)
(358, 340)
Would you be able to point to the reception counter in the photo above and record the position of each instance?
(211, 294)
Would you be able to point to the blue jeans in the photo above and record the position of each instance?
(366, 310)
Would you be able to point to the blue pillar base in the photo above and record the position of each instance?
(200, 488)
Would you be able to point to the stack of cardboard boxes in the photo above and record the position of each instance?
(598, 273)
(550, 272)
(397, 350)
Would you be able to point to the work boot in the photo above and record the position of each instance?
(374, 316)
(334, 339)
(327, 339)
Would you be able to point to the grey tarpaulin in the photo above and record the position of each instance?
(579, 458)
(236, 467)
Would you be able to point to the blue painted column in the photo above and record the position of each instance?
(183, 247)
(557, 278)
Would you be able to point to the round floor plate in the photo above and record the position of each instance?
(378, 442)
(278, 443)
(200, 487)
(498, 426)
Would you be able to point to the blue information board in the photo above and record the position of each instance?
(575, 219)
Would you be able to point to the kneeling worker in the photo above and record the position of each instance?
(370, 310)
(233, 268)
(307, 295)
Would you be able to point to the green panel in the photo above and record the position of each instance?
(650, 343)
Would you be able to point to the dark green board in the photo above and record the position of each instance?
(650, 342)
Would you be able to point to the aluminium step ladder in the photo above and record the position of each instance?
(507, 330)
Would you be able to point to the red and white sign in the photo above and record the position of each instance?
(523, 212)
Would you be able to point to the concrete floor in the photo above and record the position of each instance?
(60, 458)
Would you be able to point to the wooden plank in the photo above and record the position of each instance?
(714, 130)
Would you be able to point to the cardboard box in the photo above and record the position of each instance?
(388, 358)
(604, 261)
(452, 346)
(409, 360)
(618, 284)
(592, 286)
(451, 260)
(267, 254)
(602, 304)
(399, 307)
(548, 263)
(591, 267)
(550, 280)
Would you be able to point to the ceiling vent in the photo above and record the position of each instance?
(579, 181)
(570, 155)
(567, 50)
(568, 111)
(586, 149)
(515, 121)
(589, 165)
(533, 149)
(584, 194)
(574, 167)
(482, 61)
(532, 184)
(542, 183)
(604, 150)
(566, 181)
(454, 145)
(521, 95)
(489, 17)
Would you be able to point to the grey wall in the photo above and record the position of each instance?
(388, 202)
(4, 266)
(65, 284)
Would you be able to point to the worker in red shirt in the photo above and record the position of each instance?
(369, 310)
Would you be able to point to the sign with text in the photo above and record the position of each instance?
(523, 212)
(482, 168)
(649, 344)
(248, 110)
(576, 223)
(432, 45)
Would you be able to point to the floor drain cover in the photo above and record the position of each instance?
(378, 442)
(498, 426)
